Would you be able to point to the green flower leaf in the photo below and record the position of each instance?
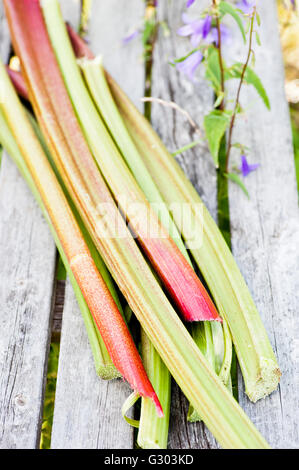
(215, 125)
(213, 73)
(227, 8)
(236, 179)
(251, 78)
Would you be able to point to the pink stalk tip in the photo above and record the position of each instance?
(158, 406)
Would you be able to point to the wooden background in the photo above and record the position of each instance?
(265, 241)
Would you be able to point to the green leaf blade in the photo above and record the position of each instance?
(236, 179)
(252, 79)
(227, 8)
(215, 125)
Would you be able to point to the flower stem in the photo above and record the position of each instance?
(241, 81)
(219, 48)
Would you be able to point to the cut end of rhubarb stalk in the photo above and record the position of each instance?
(268, 381)
(80, 47)
(98, 61)
(108, 372)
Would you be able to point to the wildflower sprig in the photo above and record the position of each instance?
(209, 36)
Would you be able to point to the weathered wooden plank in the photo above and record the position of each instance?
(27, 255)
(265, 231)
(170, 85)
(109, 25)
(4, 36)
(87, 409)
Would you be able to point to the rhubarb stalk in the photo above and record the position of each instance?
(177, 275)
(108, 319)
(153, 431)
(103, 364)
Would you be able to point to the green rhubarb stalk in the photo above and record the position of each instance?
(178, 277)
(98, 87)
(153, 431)
(103, 364)
(212, 255)
(96, 81)
(216, 345)
(203, 337)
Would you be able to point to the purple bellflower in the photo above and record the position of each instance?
(198, 29)
(214, 37)
(189, 3)
(190, 64)
(246, 168)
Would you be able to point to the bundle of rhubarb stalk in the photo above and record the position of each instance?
(127, 221)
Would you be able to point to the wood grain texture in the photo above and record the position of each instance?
(265, 230)
(87, 409)
(197, 99)
(4, 35)
(110, 23)
(28, 256)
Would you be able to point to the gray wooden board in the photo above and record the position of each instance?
(170, 85)
(88, 409)
(265, 230)
(27, 255)
(4, 35)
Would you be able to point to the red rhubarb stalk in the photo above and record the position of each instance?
(168, 261)
(18, 82)
(108, 319)
(181, 281)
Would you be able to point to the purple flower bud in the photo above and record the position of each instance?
(246, 6)
(190, 64)
(189, 3)
(246, 168)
